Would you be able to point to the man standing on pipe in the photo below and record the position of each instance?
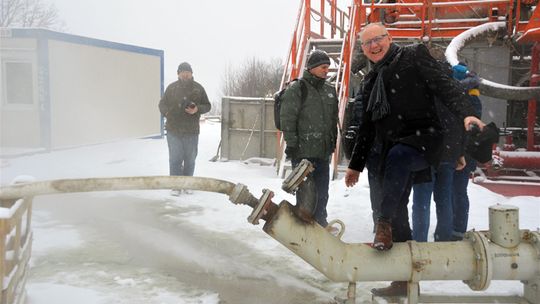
(309, 115)
(401, 120)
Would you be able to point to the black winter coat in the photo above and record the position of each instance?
(411, 80)
(177, 96)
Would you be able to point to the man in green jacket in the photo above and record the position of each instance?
(182, 104)
(308, 118)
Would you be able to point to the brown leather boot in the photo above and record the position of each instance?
(383, 236)
(396, 289)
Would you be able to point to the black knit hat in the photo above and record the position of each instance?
(184, 67)
(479, 144)
(317, 58)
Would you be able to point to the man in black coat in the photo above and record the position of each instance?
(400, 129)
(401, 120)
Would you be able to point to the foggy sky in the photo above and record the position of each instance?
(208, 34)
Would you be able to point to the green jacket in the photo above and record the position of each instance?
(172, 105)
(310, 126)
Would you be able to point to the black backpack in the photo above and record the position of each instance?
(278, 99)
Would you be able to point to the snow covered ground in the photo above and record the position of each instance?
(149, 247)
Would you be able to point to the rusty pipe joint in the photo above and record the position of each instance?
(262, 207)
(240, 195)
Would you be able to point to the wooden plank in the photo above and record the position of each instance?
(13, 293)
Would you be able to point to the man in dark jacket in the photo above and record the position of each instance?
(460, 198)
(182, 105)
(451, 159)
(400, 118)
(309, 115)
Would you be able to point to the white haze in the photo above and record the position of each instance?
(210, 35)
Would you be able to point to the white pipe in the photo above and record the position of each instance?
(410, 261)
(504, 225)
(489, 88)
(116, 183)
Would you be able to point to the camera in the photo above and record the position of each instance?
(188, 104)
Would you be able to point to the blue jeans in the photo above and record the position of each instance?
(321, 175)
(460, 199)
(182, 153)
(401, 162)
(441, 187)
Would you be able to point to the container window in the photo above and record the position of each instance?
(19, 83)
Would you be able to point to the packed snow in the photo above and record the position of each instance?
(150, 247)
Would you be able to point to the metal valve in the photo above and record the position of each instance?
(260, 209)
(297, 176)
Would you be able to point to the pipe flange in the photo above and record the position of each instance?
(483, 262)
(297, 176)
(260, 210)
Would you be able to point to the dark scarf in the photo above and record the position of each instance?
(378, 104)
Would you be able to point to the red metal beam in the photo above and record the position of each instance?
(535, 79)
(509, 188)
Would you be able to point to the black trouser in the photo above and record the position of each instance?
(401, 162)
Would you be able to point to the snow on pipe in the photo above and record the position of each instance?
(526, 160)
(487, 87)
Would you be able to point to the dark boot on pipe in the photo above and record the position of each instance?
(396, 289)
(383, 236)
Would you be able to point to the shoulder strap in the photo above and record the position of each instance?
(303, 89)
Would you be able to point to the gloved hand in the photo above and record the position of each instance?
(290, 152)
(349, 140)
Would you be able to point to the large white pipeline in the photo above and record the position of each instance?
(499, 254)
(503, 253)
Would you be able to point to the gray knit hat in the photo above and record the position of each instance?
(184, 66)
(317, 58)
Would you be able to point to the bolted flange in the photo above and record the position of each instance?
(260, 209)
(297, 176)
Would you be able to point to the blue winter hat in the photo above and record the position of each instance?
(460, 71)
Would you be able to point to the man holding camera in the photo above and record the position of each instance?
(182, 105)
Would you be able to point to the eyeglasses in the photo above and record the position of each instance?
(376, 39)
